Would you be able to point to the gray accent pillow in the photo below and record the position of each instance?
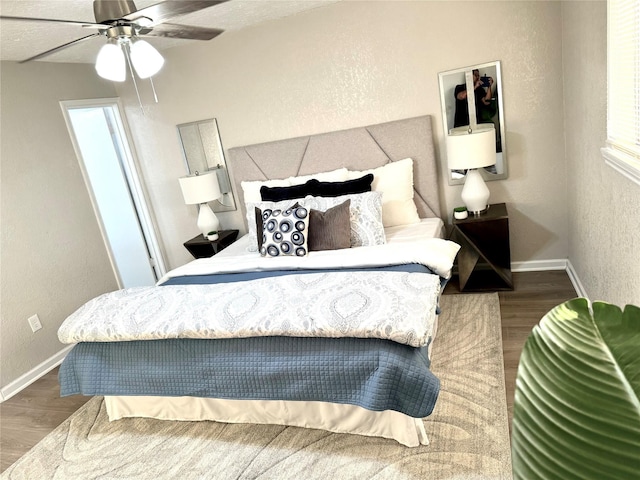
(331, 229)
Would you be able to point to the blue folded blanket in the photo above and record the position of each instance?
(374, 374)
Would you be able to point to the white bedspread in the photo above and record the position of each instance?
(397, 306)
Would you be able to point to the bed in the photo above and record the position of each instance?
(317, 334)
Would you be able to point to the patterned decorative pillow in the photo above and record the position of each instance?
(365, 215)
(285, 231)
(252, 221)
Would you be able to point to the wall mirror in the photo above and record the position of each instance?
(487, 103)
(202, 150)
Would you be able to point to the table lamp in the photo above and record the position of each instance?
(470, 150)
(200, 189)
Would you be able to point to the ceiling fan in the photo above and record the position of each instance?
(123, 25)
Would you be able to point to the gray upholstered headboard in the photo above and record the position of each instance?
(359, 148)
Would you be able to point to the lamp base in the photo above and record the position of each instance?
(481, 212)
(475, 193)
(207, 220)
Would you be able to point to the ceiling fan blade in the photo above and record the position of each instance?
(59, 47)
(172, 30)
(161, 12)
(69, 22)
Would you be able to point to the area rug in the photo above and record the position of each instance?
(468, 430)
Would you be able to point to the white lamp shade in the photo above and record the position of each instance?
(110, 63)
(200, 188)
(146, 60)
(471, 150)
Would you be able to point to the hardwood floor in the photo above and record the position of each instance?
(30, 415)
(27, 417)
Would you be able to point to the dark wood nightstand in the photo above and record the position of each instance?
(484, 261)
(200, 247)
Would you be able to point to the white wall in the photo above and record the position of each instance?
(604, 226)
(53, 257)
(357, 63)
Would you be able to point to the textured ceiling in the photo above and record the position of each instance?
(20, 40)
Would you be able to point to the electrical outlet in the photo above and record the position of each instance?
(34, 323)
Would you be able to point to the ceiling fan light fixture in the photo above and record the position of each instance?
(110, 63)
(145, 58)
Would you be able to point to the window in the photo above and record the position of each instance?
(622, 151)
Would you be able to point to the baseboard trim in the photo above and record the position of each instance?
(553, 264)
(577, 284)
(31, 376)
(539, 265)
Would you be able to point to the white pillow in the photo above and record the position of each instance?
(395, 181)
(251, 190)
(365, 215)
(339, 175)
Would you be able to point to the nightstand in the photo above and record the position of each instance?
(484, 260)
(200, 247)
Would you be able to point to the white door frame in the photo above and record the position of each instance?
(131, 170)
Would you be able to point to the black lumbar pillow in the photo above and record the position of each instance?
(317, 189)
(348, 187)
(277, 194)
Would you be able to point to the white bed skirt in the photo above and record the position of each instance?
(334, 417)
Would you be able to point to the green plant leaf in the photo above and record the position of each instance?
(577, 400)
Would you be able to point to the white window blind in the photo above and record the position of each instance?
(623, 88)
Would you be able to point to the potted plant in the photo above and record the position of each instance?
(213, 235)
(460, 213)
(577, 400)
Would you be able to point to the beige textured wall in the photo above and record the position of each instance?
(53, 257)
(356, 63)
(604, 226)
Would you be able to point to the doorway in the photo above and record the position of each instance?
(101, 141)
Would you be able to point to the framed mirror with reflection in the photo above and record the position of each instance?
(487, 100)
(202, 151)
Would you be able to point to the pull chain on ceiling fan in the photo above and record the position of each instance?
(123, 25)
